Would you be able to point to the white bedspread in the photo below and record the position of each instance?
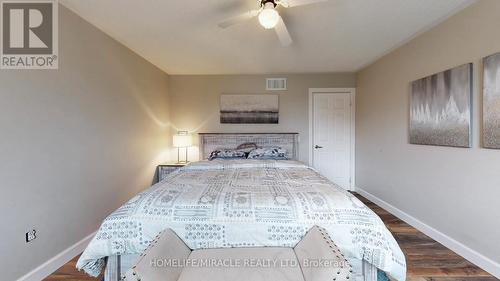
(245, 203)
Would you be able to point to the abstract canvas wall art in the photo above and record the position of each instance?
(491, 102)
(249, 109)
(440, 108)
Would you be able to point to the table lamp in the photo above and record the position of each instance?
(182, 140)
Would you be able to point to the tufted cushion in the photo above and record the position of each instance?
(317, 245)
(166, 245)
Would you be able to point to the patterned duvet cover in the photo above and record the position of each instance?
(245, 203)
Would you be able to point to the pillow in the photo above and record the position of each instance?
(247, 147)
(227, 154)
(277, 153)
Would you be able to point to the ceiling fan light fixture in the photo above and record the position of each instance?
(269, 17)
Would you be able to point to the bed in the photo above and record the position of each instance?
(245, 203)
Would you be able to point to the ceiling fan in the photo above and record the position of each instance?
(269, 17)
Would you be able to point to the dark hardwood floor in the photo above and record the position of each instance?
(427, 260)
(68, 272)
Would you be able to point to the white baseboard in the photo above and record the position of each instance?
(471, 255)
(57, 261)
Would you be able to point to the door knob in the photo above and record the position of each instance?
(317, 146)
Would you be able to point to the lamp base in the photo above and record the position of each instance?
(178, 157)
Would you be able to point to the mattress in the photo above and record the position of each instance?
(245, 203)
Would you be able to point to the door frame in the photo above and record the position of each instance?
(352, 94)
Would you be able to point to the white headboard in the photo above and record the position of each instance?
(212, 141)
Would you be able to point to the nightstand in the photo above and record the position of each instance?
(163, 170)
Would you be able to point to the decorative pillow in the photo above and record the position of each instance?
(247, 147)
(227, 154)
(277, 153)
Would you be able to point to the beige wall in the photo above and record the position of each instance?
(75, 142)
(194, 102)
(453, 190)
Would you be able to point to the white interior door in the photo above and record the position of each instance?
(331, 119)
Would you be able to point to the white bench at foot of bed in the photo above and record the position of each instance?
(314, 258)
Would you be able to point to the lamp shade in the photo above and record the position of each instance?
(183, 140)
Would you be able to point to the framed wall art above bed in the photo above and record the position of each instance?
(249, 109)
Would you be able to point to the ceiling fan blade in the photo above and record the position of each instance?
(237, 19)
(295, 3)
(282, 33)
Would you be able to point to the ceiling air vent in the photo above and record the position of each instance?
(275, 84)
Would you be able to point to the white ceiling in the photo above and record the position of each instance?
(182, 37)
